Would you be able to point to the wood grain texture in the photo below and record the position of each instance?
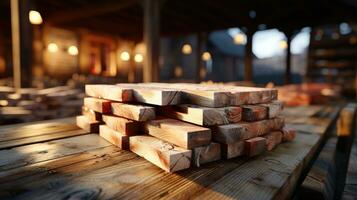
(153, 95)
(252, 113)
(110, 92)
(254, 146)
(232, 150)
(273, 139)
(123, 125)
(91, 114)
(133, 112)
(277, 123)
(203, 116)
(206, 154)
(182, 134)
(231, 133)
(114, 137)
(164, 155)
(275, 108)
(90, 126)
(98, 105)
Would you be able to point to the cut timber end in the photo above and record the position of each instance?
(91, 114)
(203, 116)
(116, 138)
(254, 113)
(98, 105)
(273, 139)
(288, 134)
(110, 92)
(255, 146)
(231, 133)
(123, 125)
(182, 134)
(84, 123)
(274, 108)
(277, 123)
(133, 112)
(164, 155)
(232, 150)
(206, 154)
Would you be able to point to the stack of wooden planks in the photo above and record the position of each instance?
(176, 126)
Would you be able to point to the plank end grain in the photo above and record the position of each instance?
(164, 155)
(98, 105)
(114, 137)
(255, 146)
(84, 123)
(206, 154)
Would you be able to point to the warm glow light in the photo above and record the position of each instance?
(138, 58)
(4, 103)
(239, 38)
(35, 17)
(206, 56)
(52, 47)
(186, 49)
(283, 44)
(125, 56)
(203, 73)
(72, 50)
(178, 71)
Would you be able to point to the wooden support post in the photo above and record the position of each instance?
(248, 58)
(21, 43)
(151, 40)
(288, 60)
(198, 57)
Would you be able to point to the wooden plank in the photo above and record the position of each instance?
(133, 112)
(273, 139)
(288, 134)
(231, 133)
(154, 96)
(203, 116)
(275, 108)
(110, 92)
(98, 105)
(84, 123)
(164, 155)
(254, 113)
(29, 154)
(91, 114)
(182, 134)
(118, 139)
(232, 150)
(206, 154)
(255, 146)
(277, 123)
(345, 120)
(123, 125)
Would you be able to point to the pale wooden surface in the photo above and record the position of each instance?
(88, 166)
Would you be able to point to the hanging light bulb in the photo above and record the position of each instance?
(72, 50)
(35, 17)
(178, 71)
(125, 56)
(283, 44)
(206, 56)
(186, 49)
(239, 38)
(52, 47)
(138, 58)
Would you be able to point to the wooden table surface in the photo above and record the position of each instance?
(56, 160)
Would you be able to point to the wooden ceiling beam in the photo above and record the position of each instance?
(89, 11)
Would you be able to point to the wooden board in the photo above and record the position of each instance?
(219, 96)
(206, 154)
(91, 114)
(275, 108)
(255, 146)
(252, 113)
(90, 126)
(182, 134)
(154, 96)
(203, 116)
(123, 125)
(273, 139)
(98, 105)
(133, 112)
(232, 150)
(231, 133)
(164, 155)
(110, 92)
(114, 137)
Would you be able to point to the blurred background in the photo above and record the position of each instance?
(50, 49)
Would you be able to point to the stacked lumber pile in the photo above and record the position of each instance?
(176, 126)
